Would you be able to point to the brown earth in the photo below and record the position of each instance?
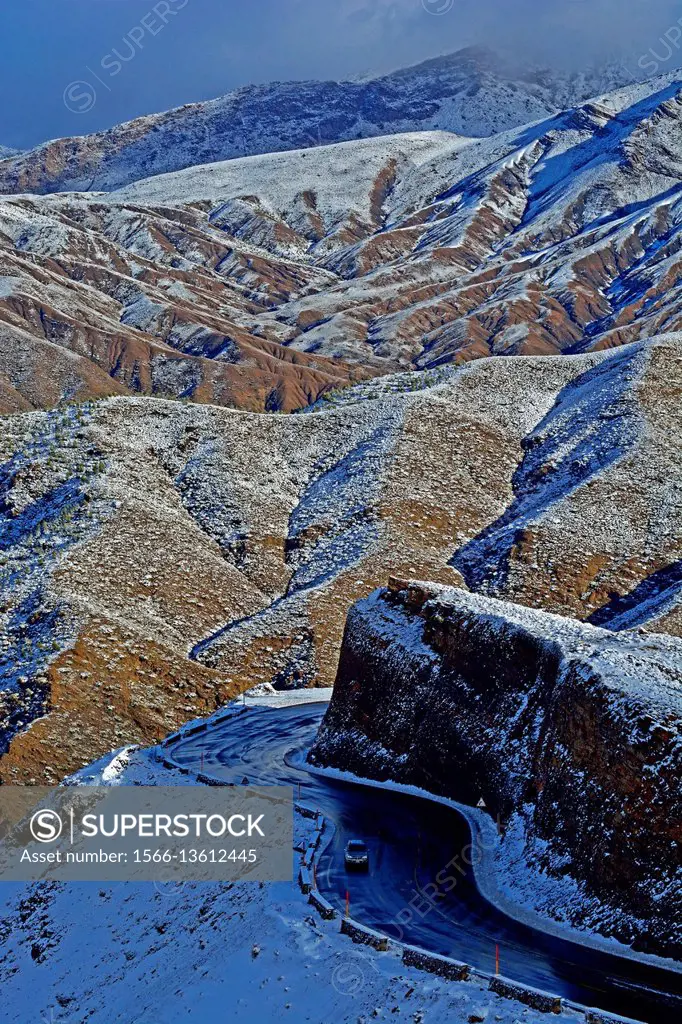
(227, 284)
(225, 547)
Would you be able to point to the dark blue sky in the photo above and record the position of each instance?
(60, 73)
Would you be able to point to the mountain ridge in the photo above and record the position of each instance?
(471, 92)
(267, 282)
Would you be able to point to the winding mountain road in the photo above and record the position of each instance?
(411, 842)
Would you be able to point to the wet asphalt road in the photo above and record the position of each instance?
(410, 891)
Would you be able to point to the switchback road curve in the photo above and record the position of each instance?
(411, 841)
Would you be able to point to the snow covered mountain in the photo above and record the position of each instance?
(167, 541)
(158, 557)
(313, 279)
(471, 92)
(267, 281)
(173, 299)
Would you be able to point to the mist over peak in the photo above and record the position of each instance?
(142, 61)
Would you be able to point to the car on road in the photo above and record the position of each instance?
(356, 856)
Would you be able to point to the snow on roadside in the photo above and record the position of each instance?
(286, 698)
(145, 953)
(491, 868)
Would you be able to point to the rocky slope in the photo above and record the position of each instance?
(264, 282)
(157, 557)
(561, 237)
(472, 92)
(96, 300)
(225, 547)
(571, 735)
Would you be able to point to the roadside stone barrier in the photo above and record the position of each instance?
(203, 725)
(308, 856)
(454, 970)
(318, 835)
(184, 733)
(306, 812)
(322, 906)
(209, 780)
(364, 936)
(533, 997)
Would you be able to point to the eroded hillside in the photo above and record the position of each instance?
(158, 557)
(264, 282)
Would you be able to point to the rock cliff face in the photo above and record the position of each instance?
(570, 733)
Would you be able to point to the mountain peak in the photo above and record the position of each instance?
(472, 92)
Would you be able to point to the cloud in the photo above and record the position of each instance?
(218, 45)
(570, 32)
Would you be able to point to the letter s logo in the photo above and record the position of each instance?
(46, 826)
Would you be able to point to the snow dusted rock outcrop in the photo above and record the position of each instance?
(571, 734)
